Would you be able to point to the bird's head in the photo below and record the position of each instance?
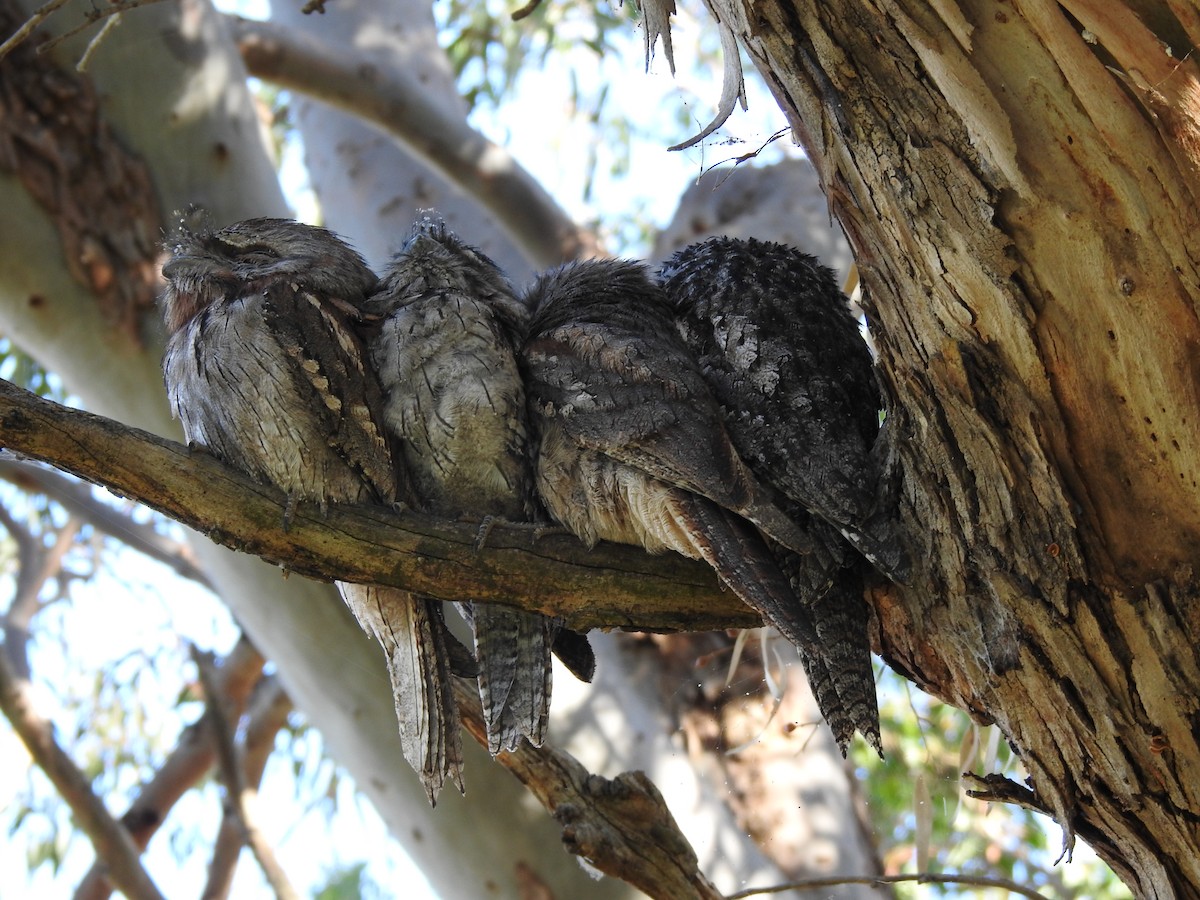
(209, 265)
(434, 261)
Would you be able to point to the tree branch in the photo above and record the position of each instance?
(35, 565)
(608, 587)
(27, 28)
(77, 499)
(985, 881)
(440, 136)
(239, 795)
(267, 714)
(621, 826)
(192, 757)
(110, 839)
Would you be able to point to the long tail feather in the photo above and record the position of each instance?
(826, 622)
(513, 650)
(417, 647)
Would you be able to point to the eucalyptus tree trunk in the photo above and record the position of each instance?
(169, 122)
(1020, 182)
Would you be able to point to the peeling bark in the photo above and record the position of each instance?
(100, 197)
(1019, 182)
(173, 90)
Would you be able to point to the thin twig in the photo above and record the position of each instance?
(35, 566)
(16, 618)
(920, 878)
(94, 43)
(187, 764)
(38, 16)
(266, 715)
(239, 797)
(91, 18)
(525, 10)
(109, 838)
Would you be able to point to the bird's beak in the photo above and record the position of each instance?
(195, 264)
(171, 267)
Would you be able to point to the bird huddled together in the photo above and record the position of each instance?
(724, 407)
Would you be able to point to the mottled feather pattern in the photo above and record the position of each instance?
(239, 394)
(778, 345)
(604, 358)
(631, 443)
(444, 418)
(418, 650)
(329, 361)
(725, 411)
(264, 370)
(444, 338)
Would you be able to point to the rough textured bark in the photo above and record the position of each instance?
(609, 587)
(1019, 181)
(788, 745)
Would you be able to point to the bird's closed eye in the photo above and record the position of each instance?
(252, 252)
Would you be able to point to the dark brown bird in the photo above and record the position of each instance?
(265, 370)
(444, 346)
(631, 443)
(776, 342)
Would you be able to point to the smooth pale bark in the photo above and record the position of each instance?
(392, 75)
(174, 92)
(781, 202)
(368, 185)
(1021, 196)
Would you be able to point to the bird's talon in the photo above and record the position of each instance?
(485, 530)
(289, 511)
(548, 529)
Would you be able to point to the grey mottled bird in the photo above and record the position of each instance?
(444, 344)
(631, 443)
(265, 370)
(776, 342)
